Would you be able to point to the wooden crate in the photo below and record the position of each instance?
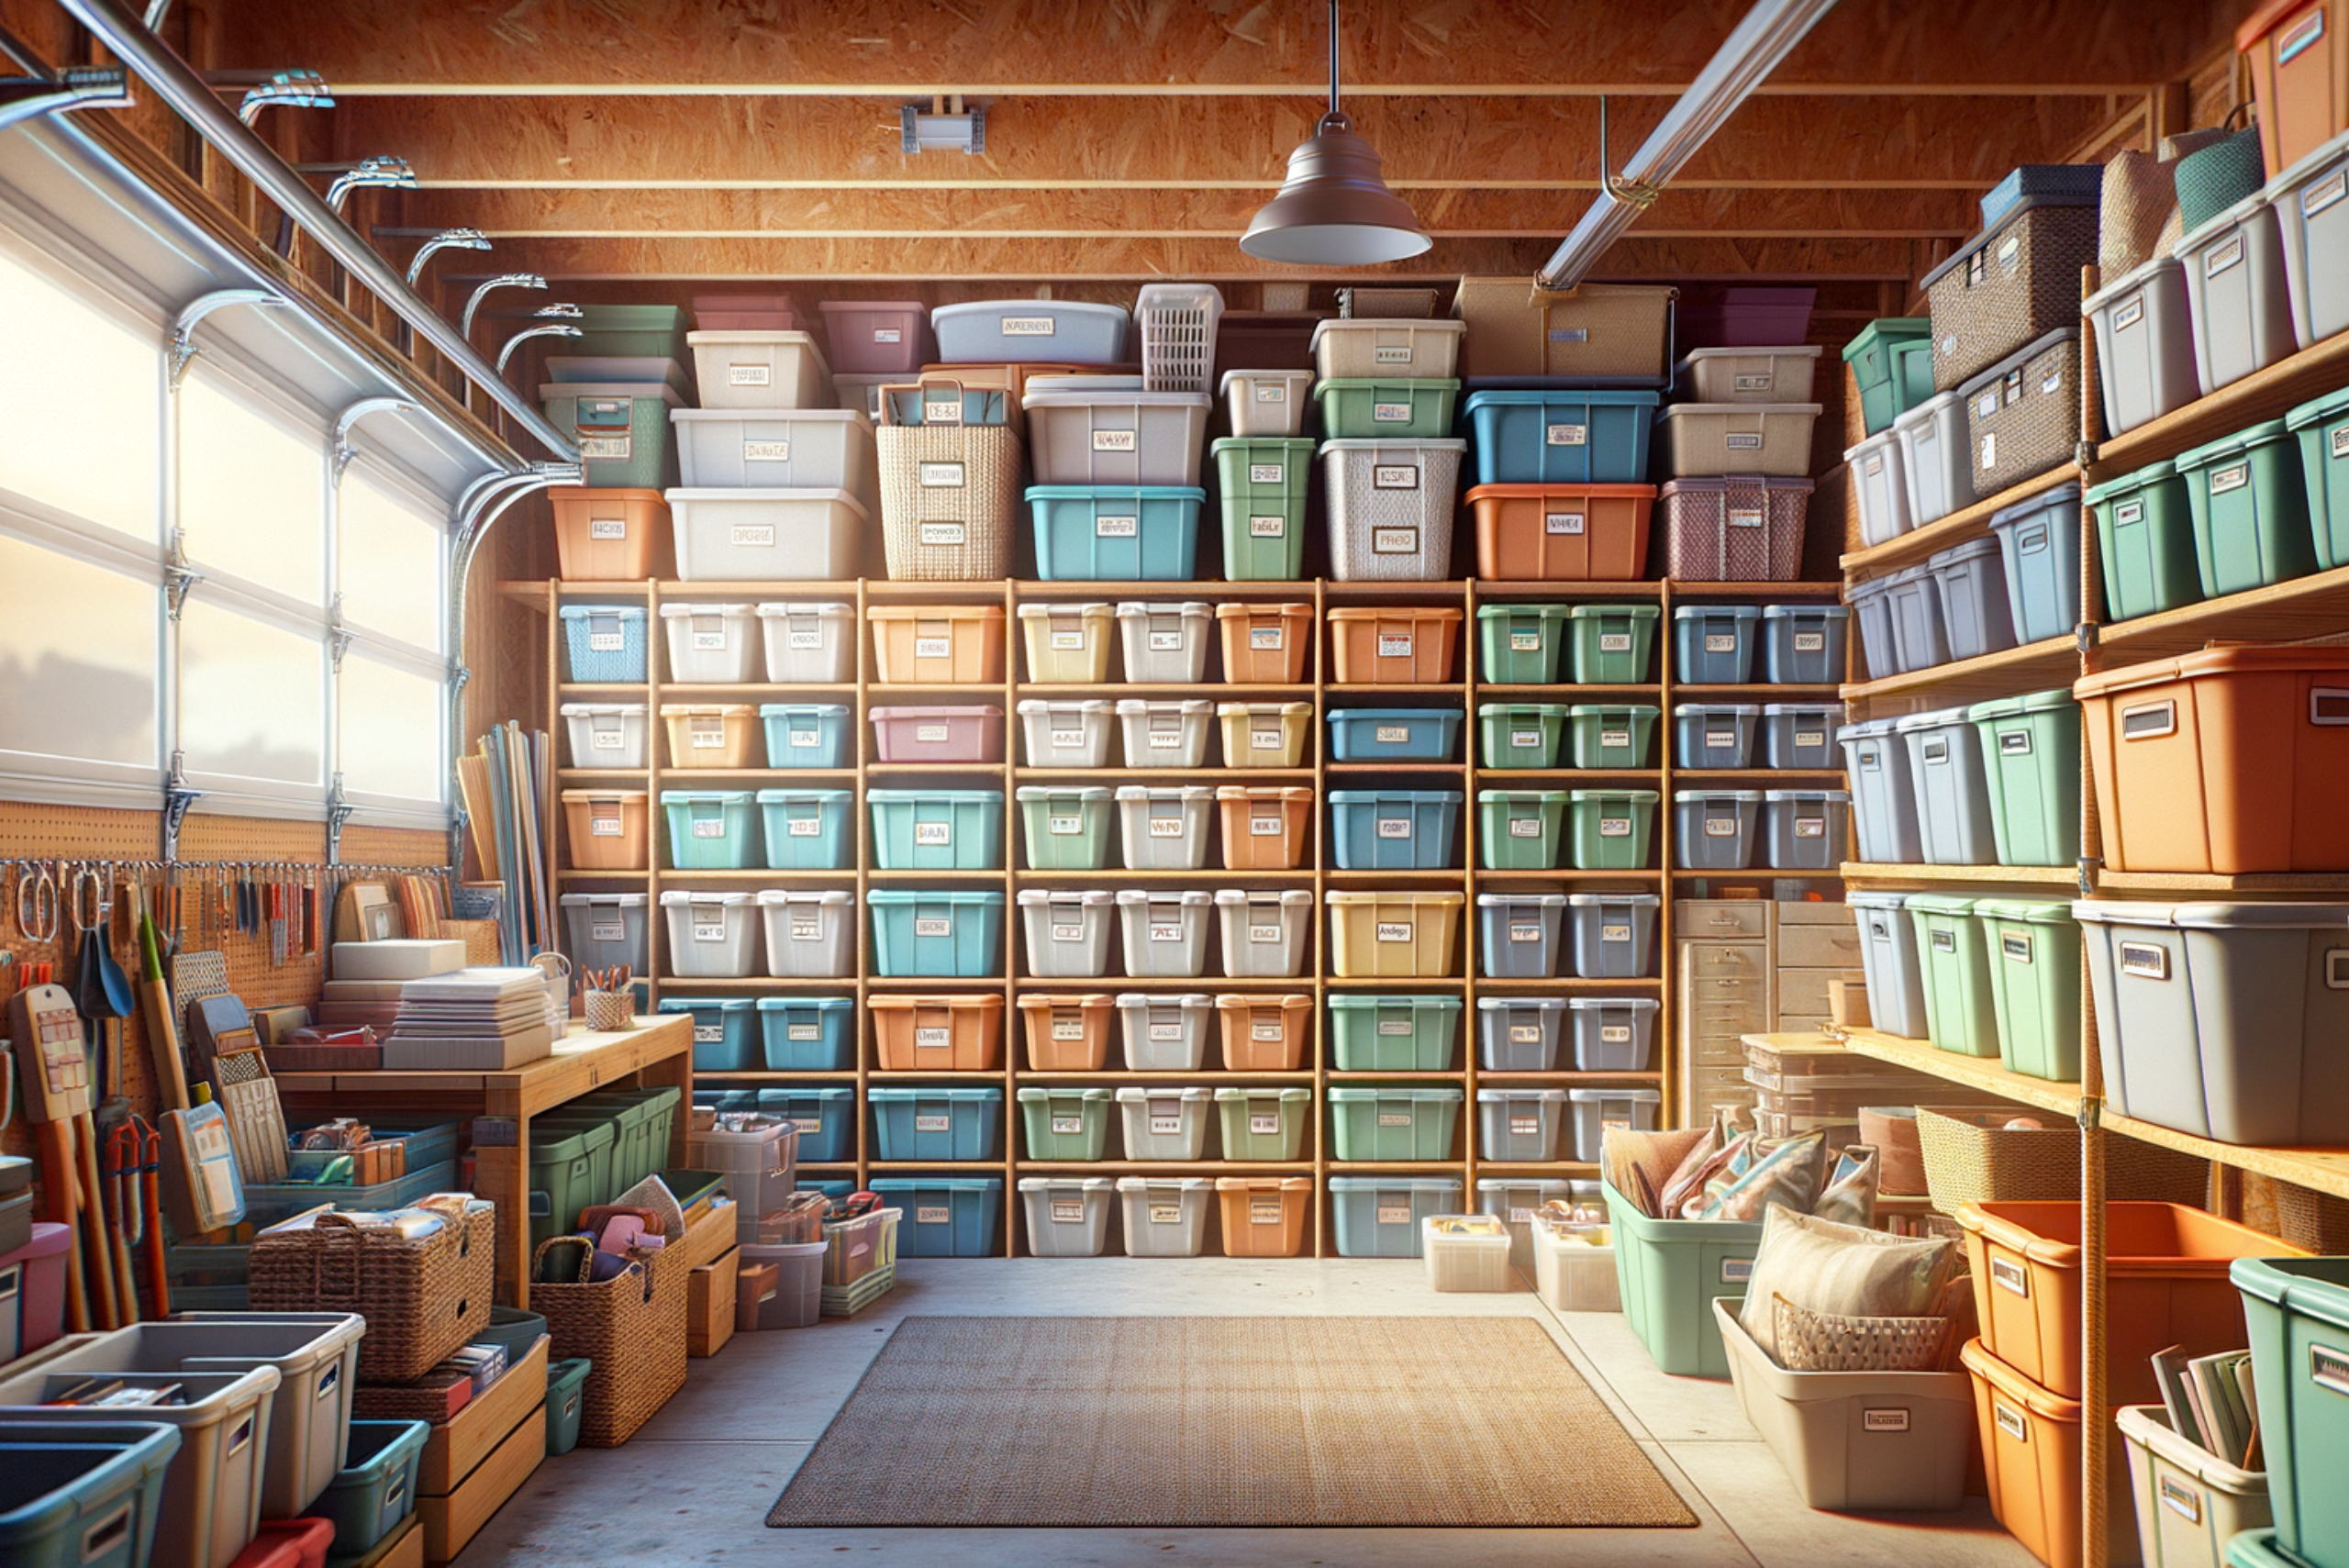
(451, 1521)
(712, 1234)
(709, 1306)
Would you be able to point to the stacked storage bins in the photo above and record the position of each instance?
(1387, 390)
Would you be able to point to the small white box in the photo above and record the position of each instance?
(399, 958)
(1574, 1270)
(1465, 1252)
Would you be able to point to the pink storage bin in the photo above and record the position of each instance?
(37, 1315)
(876, 337)
(745, 313)
(937, 734)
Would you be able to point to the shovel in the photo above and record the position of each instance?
(101, 992)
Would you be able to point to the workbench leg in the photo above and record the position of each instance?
(501, 1174)
(675, 1072)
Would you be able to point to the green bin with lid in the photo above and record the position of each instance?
(1380, 1033)
(2297, 1312)
(2034, 955)
(1518, 830)
(1521, 734)
(1954, 967)
(1611, 734)
(1611, 830)
(2145, 539)
(2030, 768)
(2251, 510)
(1263, 482)
(1611, 645)
(1519, 644)
(1669, 1272)
(1891, 381)
(2322, 429)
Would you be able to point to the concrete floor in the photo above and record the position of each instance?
(694, 1485)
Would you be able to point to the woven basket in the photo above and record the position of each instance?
(2314, 1222)
(949, 494)
(1824, 1342)
(1971, 1157)
(2214, 178)
(2023, 415)
(631, 1327)
(422, 1298)
(2016, 284)
(1741, 528)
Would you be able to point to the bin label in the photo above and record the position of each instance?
(1394, 1118)
(1525, 930)
(1269, 1033)
(1743, 442)
(1720, 827)
(888, 335)
(1990, 449)
(1720, 740)
(810, 827)
(935, 926)
(1263, 1211)
(1264, 933)
(2181, 1499)
(1025, 327)
(1266, 638)
(765, 451)
(1063, 932)
(1267, 527)
(1063, 1124)
(711, 830)
(606, 528)
(1615, 932)
(1172, 1031)
(1165, 728)
(1113, 441)
(930, 832)
(2329, 1368)
(2008, 1274)
(1810, 642)
(1263, 1122)
(1525, 1034)
(934, 1121)
(1734, 1271)
(1062, 825)
(942, 476)
(2011, 1420)
(935, 1037)
(710, 932)
(1394, 1025)
(607, 740)
(2318, 197)
(1394, 1213)
(799, 640)
(1525, 828)
(1568, 436)
(2215, 262)
(1167, 930)
(1720, 642)
(1753, 381)
(607, 931)
(1166, 827)
(707, 739)
(1395, 477)
(1530, 642)
(1394, 930)
(2146, 961)
(1390, 354)
(798, 738)
(1810, 827)
(1944, 942)
(750, 375)
(933, 1213)
(1390, 413)
(1394, 541)
(1621, 827)
(1264, 740)
(752, 535)
(1067, 1211)
(1163, 1119)
(1615, 1034)
(709, 1034)
(803, 1032)
(1272, 392)
(935, 646)
(1068, 1029)
(930, 734)
(1165, 1213)
(603, 827)
(1166, 642)
(2013, 948)
(809, 1124)
(2233, 477)
(1392, 734)
(613, 449)
(1525, 1127)
(1265, 827)
(1265, 473)
(713, 641)
(1518, 738)
(1875, 465)
(1395, 826)
(1614, 643)
(2128, 313)
(1394, 645)
(1561, 522)
(1068, 738)
(2015, 743)
(1116, 527)
(1884, 1421)
(605, 641)
(1809, 740)
(941, 411)
(1072, 640)
(1745, 516)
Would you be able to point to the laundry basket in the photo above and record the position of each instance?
(1178, 325)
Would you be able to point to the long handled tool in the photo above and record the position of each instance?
(53, 1063)
(163, 1021)
(150, 1214)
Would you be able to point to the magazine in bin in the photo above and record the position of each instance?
(855, 1246)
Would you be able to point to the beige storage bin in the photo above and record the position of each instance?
(1377, 936)
(610, 829)
(760, 370)
(1067, 644)
(1746, 375)
(711, 735)
(948, 644)
(1265, 644)
(1264, 734)
(2191, 1503)
(1572, 1274)
(1388, 349)
(1705, 440)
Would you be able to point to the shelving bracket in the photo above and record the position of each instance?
(184, 329)
(178, 795)
(339, 815)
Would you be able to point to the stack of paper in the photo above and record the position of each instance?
(347, 1004)
(471, 1021)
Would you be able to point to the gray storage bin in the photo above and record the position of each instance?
(1884, 800)
(1713, 829)
(1953, 797)
(1165, 1216)
(1592, 1111)
(1936, 458)
(1805, 830)
(2144, 344)
(1519, 934)
(1165, 1033)
(2316, 242)
(2039, 545)
(1802, 645)
(1871, 603)
(1520, 1126)
(605, 930)
(1918, 639)
(1881, 492)
(1068, 1216)
(1051, 332)
(1513, 1203)
(1713, 644)
(1613, 934)
(1164, 1124)
(1714, 735)
(1066, 934)
(2234, 279)
(1614, 1034)
(1971, 582)
(1888, 954)
(1164, 935)
(1799, 735)
(1520, 1034)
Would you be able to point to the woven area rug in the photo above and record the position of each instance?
(1168, 1422)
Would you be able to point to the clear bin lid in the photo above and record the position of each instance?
(1134, 898)
(1393, 1183)
(1412, 796)
(1293, 378)
(1808, 796)
(704, 1004)
(1716, 612)
(1036, 898)
(1163, 1184)
(1503, 1097)
(827, 796)
(1047, 612)
(1187, 609)
(1066, 394)
(1087, 793)
(1635, 796)
(1804, 612)
(601, 900)
(1288, 898)
(1709, 709)
(1434, 326)
(1828, 711)
(1707, 796)
(1183, 793)
(827, 610)
(788, 710)
(1086, 1184)
(1269, 709)
(1509, 612)
(2213, 917)
(1940, 718)
(778, 492)
(1189, 707)
(1185, 1000)
(1429, 443)
(1063, 309)
(1519, 900)
(675, 900)
(1741, 410)
(770, 417)
(1614, 900)
(2017, 706)
(1612, 1004)
(1288, 1096)
(681, 612)
(1034, 707)
(602, 710)
(1599, 1097)
(2031, 911)
(1131, 1094)
(1386, 1092)
(1351, 1002)
(1521, 1003)
(1509, 710)
(2054, 498)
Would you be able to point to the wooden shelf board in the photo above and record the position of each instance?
(904, 770)
(1493, 590)
(1982, 1072)
(2032, 666)
(2314, 605)
(1965, 523)
(2319, 1169)
(753, 873)
(2062, 878)
(1403, 689)
(1502, 778)
(2334, 882)
(1504, 693)
(1358, 769)
(1566, 982)
(1167, 777)
(1164, 691)
(761, 1076)
(1163, 1167)
(1303, 877)
(2263, 395)
(1705, 778)
(1758, 691)
(760, 688)
(1213, 1077)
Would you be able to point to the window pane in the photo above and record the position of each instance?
(78, 399)
(391, 731)
(250, 491)
(252, 697)
(77, 659)
(388, 556)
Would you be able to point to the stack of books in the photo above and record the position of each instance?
(349, 1004)
(471, 1021)
(2210, 1401)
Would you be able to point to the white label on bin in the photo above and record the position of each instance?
(1068, 1029)
(1568, 435)
(1734, 1271)
(1810, 642)
(941, 411)
(1395, 477)
(1525, 930)
(2015, 948)
(1720, 827)
(933, 832)
(752, 535)
(2178, 1498)
(1113, 441)
(1614, 643)
(807, 928)
(803, 1032)
(1172, 1031)
(1743, 442)
(1272, 392)
(798, 738)
(1394, 1213)
(2318, 197)
(1753, 381)
(1025, 327)
(1525, 1127)
(606, 528)
(1393, 827)
(932, 1214)
(1163, 1119)
(750, 375)
(1990, 449)
(1265, 473)
(1390, 354)
(2010, 1276)
(2233, 478)
(1394, 1025)
(1615, 828)
(607, 931)
(709, 1034)
(1525, 828)
(810, 1125)
(1390, 413)
(2128, 313)
(705, 932)
(706, 739)
(1394, 1118)
(1267, 527)
(1809, 740)
(1391, 734)
(799, 640)
(2053, 381)
(934, 1121)
(2146, 961)
(1525, 642)
(1615, 1034)
(1167, 930)
(1264, 1121)
(1265, 740)
(1065, 932)
(615, 448)
(605, 641)
(765, 451)
(1884, 1421)
(1265, 827)
(1067, 1211)
(1166, 642)
(1720, 740)
(1615, 932)
(607, 741)
(1264, 1211)
(1166, 827)
(1068, 640)
(713, 829)
(938, 646)
(1116, 527)
(1745, 516)
(1394, 645)
(1265, 638)
(709, 641)
(1525, 1034)
(1268, 1032)
(603, 827)
(806, 827)
(2329, 1369)
(2011, 1420)
(1394, 541)
(2015, 743)
(1720, 642)
(1063, 826)
(1561, 522)
(1518, 739)
(1875, 465)
(888, 335)
(1068, 738)
(1988, 404)
(1394, 930)
(1165, 1213)
(935, 925)
(1810, 827)
(1264, 933)
(2225, 256)
(1067, 1123)
(930, 734)
(942, 476)
(1944, 942)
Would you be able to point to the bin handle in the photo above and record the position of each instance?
(2328, 706)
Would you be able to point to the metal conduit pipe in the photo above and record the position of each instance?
(177, 83)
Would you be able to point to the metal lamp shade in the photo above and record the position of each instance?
(1334, 210)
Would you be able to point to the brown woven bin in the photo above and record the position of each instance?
(1971, 1156)
(632, 1328)
(2023, 415)
(422, 1298)
(2006, 288)
(949, 496)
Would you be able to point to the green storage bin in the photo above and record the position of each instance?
(1884, 363)
(1263, 481)
(2297, 1310)
(1066, 829)
(645, 1118)
(1669, 1272)
(937, 830)
(1611, 734)
(1393, 1034)
(1611, 830)
(2251, 510)
(571, 1169)
(2031, 762)
(1386, 1123)
(1520, 644)
(1518, 830)
(631, 332)
(1380, 410)
(1263, 1125)
(2144, 536)
(566, 1398)
(2322, 429)
(1952, 960)
(1612, 645)
(710, 830)
(1521, 734)
(2034, 960)
(622, 432)
(1064, 1124)
(375, 1488)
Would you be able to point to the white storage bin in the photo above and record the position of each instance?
(1066, 933)
(1746, 375)
(766, 535)
(712, 936)
(1113, 438)
(1391, 505)
(1164, 1124)
(1591, 1111)
(1513, 1200)
(1177, 322)
(711, 645)
(2235, 277)
(1265, 932)
(1575, 1270)
(1065, 734)
(1385, 350)
(1888, 958)
(1165, 934)
(760, 370)
(2313, 221)
(1165, 1217)
(1164, 829)
(1165, 734)
(1267, 402)
(1883, 490)
(809, 643)
(1026, 331)
(1165, 1033)
(809, 934)
(1068, 1216)
(2191, 1503)
(1465, 1252)
(1166, 644)
(606, 734)
(2144, 344)
(1706, 440)
(803, 448)
(1936, 458)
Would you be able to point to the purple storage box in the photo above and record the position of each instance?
(1746, 318)
(937, 734)
(876, 337)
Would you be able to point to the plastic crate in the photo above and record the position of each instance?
(1263, 1216)
(1064, 828)
(1065, 734)
(1382, 409)
(1083, 435)
(1065, 934)
(1803, 644)
(1375, 346)
(1519, 830)
(1178, 323)
(2240, 311)
(1371, 1033)
(1936, 458)
(1067, 1217)
(1265, 932)
(1714, 735)
(1889, 385)
(1521, 1034)
(1518, 1126)
(710, 830)
(807, 735)
(1716, 830)
(1799, 736)
(1164, 1033)
(1266, 402)
(2031, 760)
(1611, 830)
(803, 448)
(1265, 1033)
(1954, 964)
(724, 1038)
(954, 829)
(1518, 934)
(1804, 829)
(1613, 1034)
(1164, 1124)
(809, 643)
(712, 936)
(1264, 643)
(1611, 734)
(1394, 645)
(1392, 935)
(810, 933)
(1952, 790)
(808, 830)
(620, 428)
(1264, 482)
(1066, 1032)
(1888, 958)
(1611, 644)
(605, 735)
(1263, 1124)
(1163, 734)
(1528, 735)
(1165, 643)
(971, 734)
(605, 930)
(762, 536)
(2034, 985)
(1708, 441)
(604, 643)
(953, 935)
(1380, 1216)
(1066, 644)
(83, 1496)
(1394, 734)
(1164, 829)
(1612, 935)
(1264, 735)
(1977, 611)
(875, 336)
(2297, 1313)
(823, 1116)
(1393, 829)
(1164, 934)
(1562, 533)
(2250, 508)
(1165, 1216)
(1064, 1123)
(1391, 505)
(1670, 1272)
(2144, 341)
(943, 1216)
(710, 735)
(807, 1034)
(1093, 533)
(1714, 644)
(1759, 373)
(1393, 1123)
(986, 331)
(1520, 645)
(936, 1123)
(938, 644)
(1561, 437)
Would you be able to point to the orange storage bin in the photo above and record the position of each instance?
(1562, 533)
(2165, 1283)
(2298, 52)
(1396, 645)
(610, 829)
(2231, 760)
(1263, 1216)
(1067, 1032)
(1265, 644)
(711, 735)
(957, 644)
(2031, 1454)
(1265, 1034)
(1265, 828)
(608, 536)
(936, 1034)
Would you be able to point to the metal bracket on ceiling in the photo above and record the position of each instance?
(184, 329)
(339, 815)
(1631, 193)
(26, 98)
(343, 450)
(177, 798)
(942, 127)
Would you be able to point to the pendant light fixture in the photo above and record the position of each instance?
(1334, 210)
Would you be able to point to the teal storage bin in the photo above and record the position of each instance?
(823, 1114)
(1392, 1123)
(1611, 645)
(2031, 762)
(710, 830)
(1394, 734)
(2322, 427)
(566, 1399)
(1954, 964)
(632, 332)
(937, 830)
(375, 1489)
(1521, 735)
(1356, 409)
(1562, 435)
(935, 1123)
(806, 829)
(1611, 734)
(723, 1032)
(82, 1496)
(515, 1329)
(2034, 958)
(1894, 372)
(1393, 1034)
(1393, 829)
(603, 642)
(2144, 533)
(622, 431)
(807, 735)
(944, 1217)
(1263, 481)
(2249, 505)
(1087, 533)
(1518, 829)
(1714, 644)
(1521, 645)
(933, 934)
(1379, 1216)
(2297, 1310)
(1064, 1124)
(807, 1034)
(1611, 830)
(1066, 829)
(1669, 1272)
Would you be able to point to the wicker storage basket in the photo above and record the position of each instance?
(2011, 285)
(630, 1327)
(1971, 1156)
(1598, 333)
(949, 494)
(2023, 415)
(422, 1298)
(1741, 528)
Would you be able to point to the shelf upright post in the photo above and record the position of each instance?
(1669, 1084)
(1471, 1133)
(655, 824)
(860, 1029)
(1317, 644)
(1012, 645)
(2096, 1426)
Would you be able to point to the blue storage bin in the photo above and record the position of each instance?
(1520, 934)
(1088, 533)
(807, 1034)
(824, 1116)
(709, 829)
(723, 1032)
(1392, 734)
(421, 1146)
(835, 1191)
(1714, 735)
(807, 735)
(1712, 645)
(726, 1099)
(375, 1489)
(1561, 436)
(62, 1486)
(936, 1123)
(936, 934)
(2039, 543)
(937, 830)
(604, 642)
(1378, 1216)
(806, 829)
(1393, 829)
(944, 1217)
(1802, 645)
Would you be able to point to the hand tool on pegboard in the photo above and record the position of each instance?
(150, 1215)
(120, 1147)
(93, 997)
(53, 1066)
(163, 1024)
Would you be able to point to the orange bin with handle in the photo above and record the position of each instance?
(1263, 1216)
(1396, 645)
(1265, 1034)
(936, 1034)
(1265, 828)
(1265, 644)
(1067, 1032)
(1562, 533)
(2031, 1455)
(2297, 56)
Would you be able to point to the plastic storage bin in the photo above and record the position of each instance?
(2191, 1503)
(1266, 403)
(606, 535)
(810, 933)
(1560, 533)
(1519, 830)
(1066, 642)
(1178, 323)
(1611, 644)
(2030, 1441)
(1515, 1126)
(1390, 508)
(1465, 1252)
(1758, 374)
(1264, 734)
(605, 930)
(1165, 644)
(1265, 1033)
(1381, 1217)
(875, 336)
(1264, 643)
(812, 643)
(807, 1034)
(1715, 829)
(2297, 1313)
(1520, 644)
(806, 449)
(2034, 960)
(807, 735)
(1947, 777)
(1670, 1271)
(1713, 644)
(709, 829)
(1706, 440)
(985, 332)
(1526, 735)
(1066, 933)
(1611, 830)
(1888, 957)
(1393, 829)
(1591, 1111)
(1395, 734)
(1936, 458)
(936, 1123)
(712, 936)
(1521, 1034)
(1164, 1124)
(1882, 488)
(1165, 1033)
(1264, 482)
(1805, 830)
(724, 1032)
(1978, 615)
(1392, 935)
(758, 370)
(955, 935)
(1612, 934)
(2311, 217)
(1265, 932)
(1164, 829)
(937, 734)
(1096, 533)
(2030, 757)
(1574, 1271)
(1799, 736)
(710, 735)
(952, 829)
(88, 1497)
(1714, 735)
(1264, 829)
(1888, 386)
(1066, 1032)
(1263, 1216)
(1919, 631)
(1067, 1217)
(1519, 934)
(1064, 1123)
(604, 643)
(1374, 347)
(763, 535)
(2144, 343)
(1605, 735)
(1165, 1216)
(822, 1116)
(1385, 408)
(2319, 425)
(938, 644)
(1388, 1122)
(1803, 644)
(1164, 934)
(1067, 734)
(1561, 437)
(1613, 1034)
(1081, 435)
(1394, 646)
(1264, 1124)
(2249, 503)
(1065, 828)
(620, 428)
(605, 735)
(944, 1217)
(1954, 963)
(2039, 545)
(2235, 277)
(808, 830)
(1393, 1034)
